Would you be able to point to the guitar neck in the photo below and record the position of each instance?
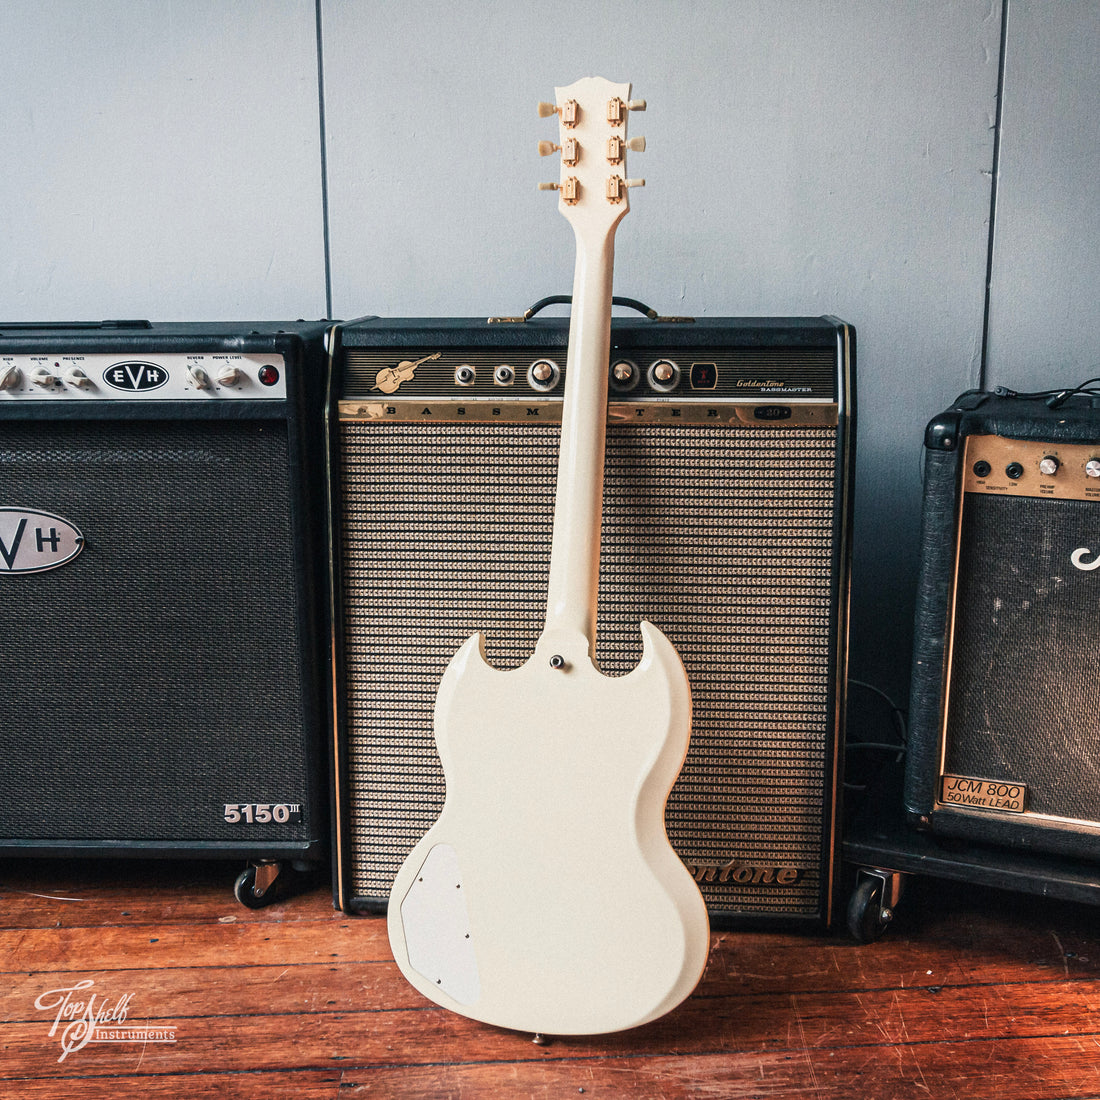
(578, 506)
(593, 198)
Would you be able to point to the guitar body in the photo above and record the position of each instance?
(552, 846)
(547, 897)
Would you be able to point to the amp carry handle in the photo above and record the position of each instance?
(567, 299)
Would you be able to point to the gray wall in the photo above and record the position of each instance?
(191, 159)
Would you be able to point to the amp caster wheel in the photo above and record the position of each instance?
(872, 904)
(255, 885)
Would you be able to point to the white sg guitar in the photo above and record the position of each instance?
(547, 898)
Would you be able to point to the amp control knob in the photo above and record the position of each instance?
(10, 377)
(664, 375)
(41, 376)
(198, 377)
(1092, 467)
(1048, 466)
(624, 374)
(74, 376)
(543, 374)
(228, 376)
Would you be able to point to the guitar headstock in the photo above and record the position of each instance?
(592, 116)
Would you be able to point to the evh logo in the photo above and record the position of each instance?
(32, 542)
(135, 376)
(1078, 559)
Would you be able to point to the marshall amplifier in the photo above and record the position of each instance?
(159, 614)
(1005, 709)
(725, 524)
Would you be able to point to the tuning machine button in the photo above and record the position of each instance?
(568, 112)
(617, 187)
(616, 148)
(569, 187)
(616, 109)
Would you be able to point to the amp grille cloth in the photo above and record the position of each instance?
(722, 537)
(1025, 694)
(158, 675)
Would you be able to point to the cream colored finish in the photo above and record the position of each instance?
(582, 918)
(578, 506)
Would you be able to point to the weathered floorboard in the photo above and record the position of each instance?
(971, 994)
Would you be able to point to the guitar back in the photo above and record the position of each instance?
(572, 913)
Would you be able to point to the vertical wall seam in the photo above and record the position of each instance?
(994, 187)
(324, 157)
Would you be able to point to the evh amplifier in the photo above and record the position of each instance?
(729, 458)
(1004, 743)
(159, 560)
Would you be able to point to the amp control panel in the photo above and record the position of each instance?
(177, 376)
(1025, 468)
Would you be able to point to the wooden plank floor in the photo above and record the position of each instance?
(972, 993)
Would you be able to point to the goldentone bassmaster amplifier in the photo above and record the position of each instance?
(726, 524)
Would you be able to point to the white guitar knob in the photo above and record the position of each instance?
(10, 377)
(228, 376)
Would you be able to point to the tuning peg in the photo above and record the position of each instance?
(616, 148)
(616, 186)
(569, 111)
(616, 108)
(570, 151)
(569, 187)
